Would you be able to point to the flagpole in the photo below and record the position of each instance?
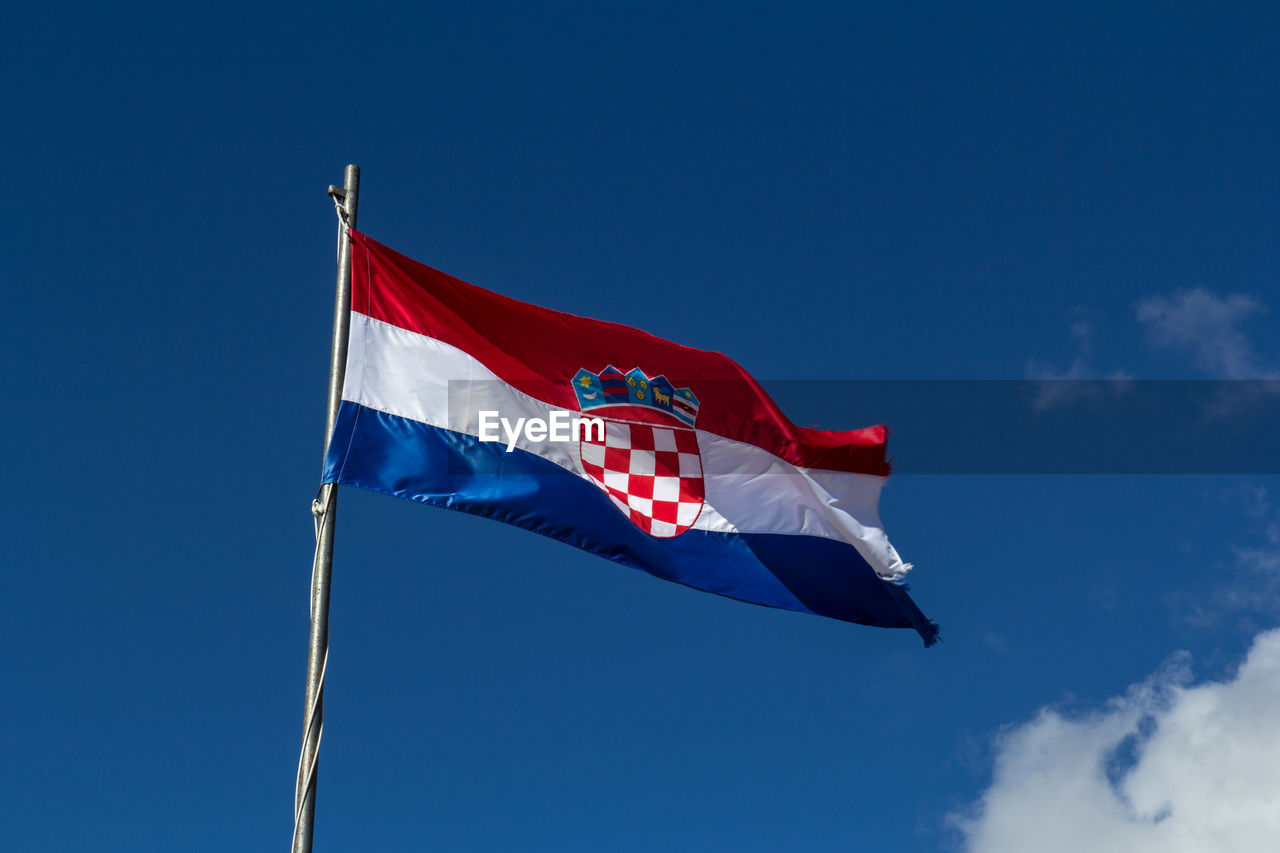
(325, 508)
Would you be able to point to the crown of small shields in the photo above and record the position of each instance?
(610, 387)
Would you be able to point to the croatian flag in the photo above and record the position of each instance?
(654, 455)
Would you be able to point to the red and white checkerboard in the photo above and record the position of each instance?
(652, 473)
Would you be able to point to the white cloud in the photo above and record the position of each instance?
(1209, 328)
(1245, 578)
(1259, 587)
(1168, 768)
(1057, 386)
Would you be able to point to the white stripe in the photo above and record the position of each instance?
(748, 489)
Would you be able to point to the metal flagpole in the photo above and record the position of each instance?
(325, 508)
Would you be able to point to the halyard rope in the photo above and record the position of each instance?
(321, 505)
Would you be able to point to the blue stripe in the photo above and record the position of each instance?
(402, 457)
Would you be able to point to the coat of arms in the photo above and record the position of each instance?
(648, 461)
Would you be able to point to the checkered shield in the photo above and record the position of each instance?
(651, 472)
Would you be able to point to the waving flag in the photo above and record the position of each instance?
(657, 456)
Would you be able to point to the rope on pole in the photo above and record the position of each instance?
(315, 722)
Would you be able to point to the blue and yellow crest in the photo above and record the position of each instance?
(611, 387)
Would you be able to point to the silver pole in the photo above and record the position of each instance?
(325, 509)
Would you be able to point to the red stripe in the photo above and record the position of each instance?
(538, 351)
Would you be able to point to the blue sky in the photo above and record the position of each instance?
(915, 192)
